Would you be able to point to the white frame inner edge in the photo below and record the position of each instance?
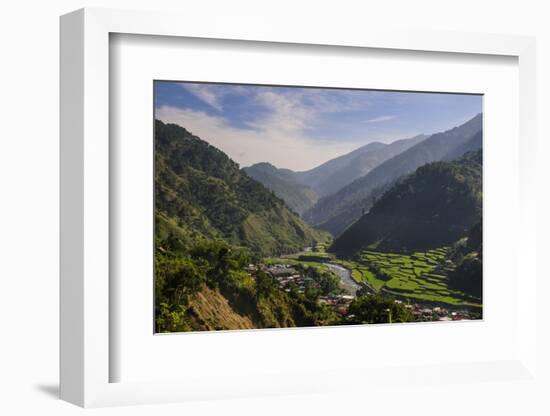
(84, 234)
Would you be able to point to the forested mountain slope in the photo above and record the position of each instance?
(468, 255)
(201, 192)
(433, 207)
(212, 222)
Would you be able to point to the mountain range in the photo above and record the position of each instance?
(339, 210)
(301, 190)
(433, 207)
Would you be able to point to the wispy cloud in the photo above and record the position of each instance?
(277, 139)
(281, 129)
(299, 128)
(285, 113)
(205, 93)
(379, 119)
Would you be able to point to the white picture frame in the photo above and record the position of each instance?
(85, 211)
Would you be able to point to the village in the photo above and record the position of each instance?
(288, 277)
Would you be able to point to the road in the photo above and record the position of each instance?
(345, 277)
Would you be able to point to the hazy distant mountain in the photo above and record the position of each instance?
(301, 190)
(283, 183)
(336, 212)
(319, 175)
(433, 207)
(471, 145)
(333, 175)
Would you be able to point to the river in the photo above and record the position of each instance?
(345, 277)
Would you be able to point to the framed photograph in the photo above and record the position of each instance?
(238, 211)
(315, 206)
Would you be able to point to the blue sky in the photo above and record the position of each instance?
(300, 128)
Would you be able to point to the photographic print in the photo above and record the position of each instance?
(288, 206)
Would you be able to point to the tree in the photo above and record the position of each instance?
(264, 284)
(377, 309)
(171, 319)
(176, 277)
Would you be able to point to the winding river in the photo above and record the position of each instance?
(345, 277)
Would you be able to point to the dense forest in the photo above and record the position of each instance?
(200, 192)
(468, 255)
(206, 287)
(433, 207)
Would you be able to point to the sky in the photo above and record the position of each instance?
(300, 128)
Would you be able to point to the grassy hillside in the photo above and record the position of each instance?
(432, 208)
(210, 310)
(205, 286)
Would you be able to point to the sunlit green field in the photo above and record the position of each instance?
(420, 276)
(316, 260)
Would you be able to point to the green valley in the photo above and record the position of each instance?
(271, 219)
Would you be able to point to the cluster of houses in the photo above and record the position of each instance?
(339, 302)
(285, 275)
(288, 276)
(423, 313)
